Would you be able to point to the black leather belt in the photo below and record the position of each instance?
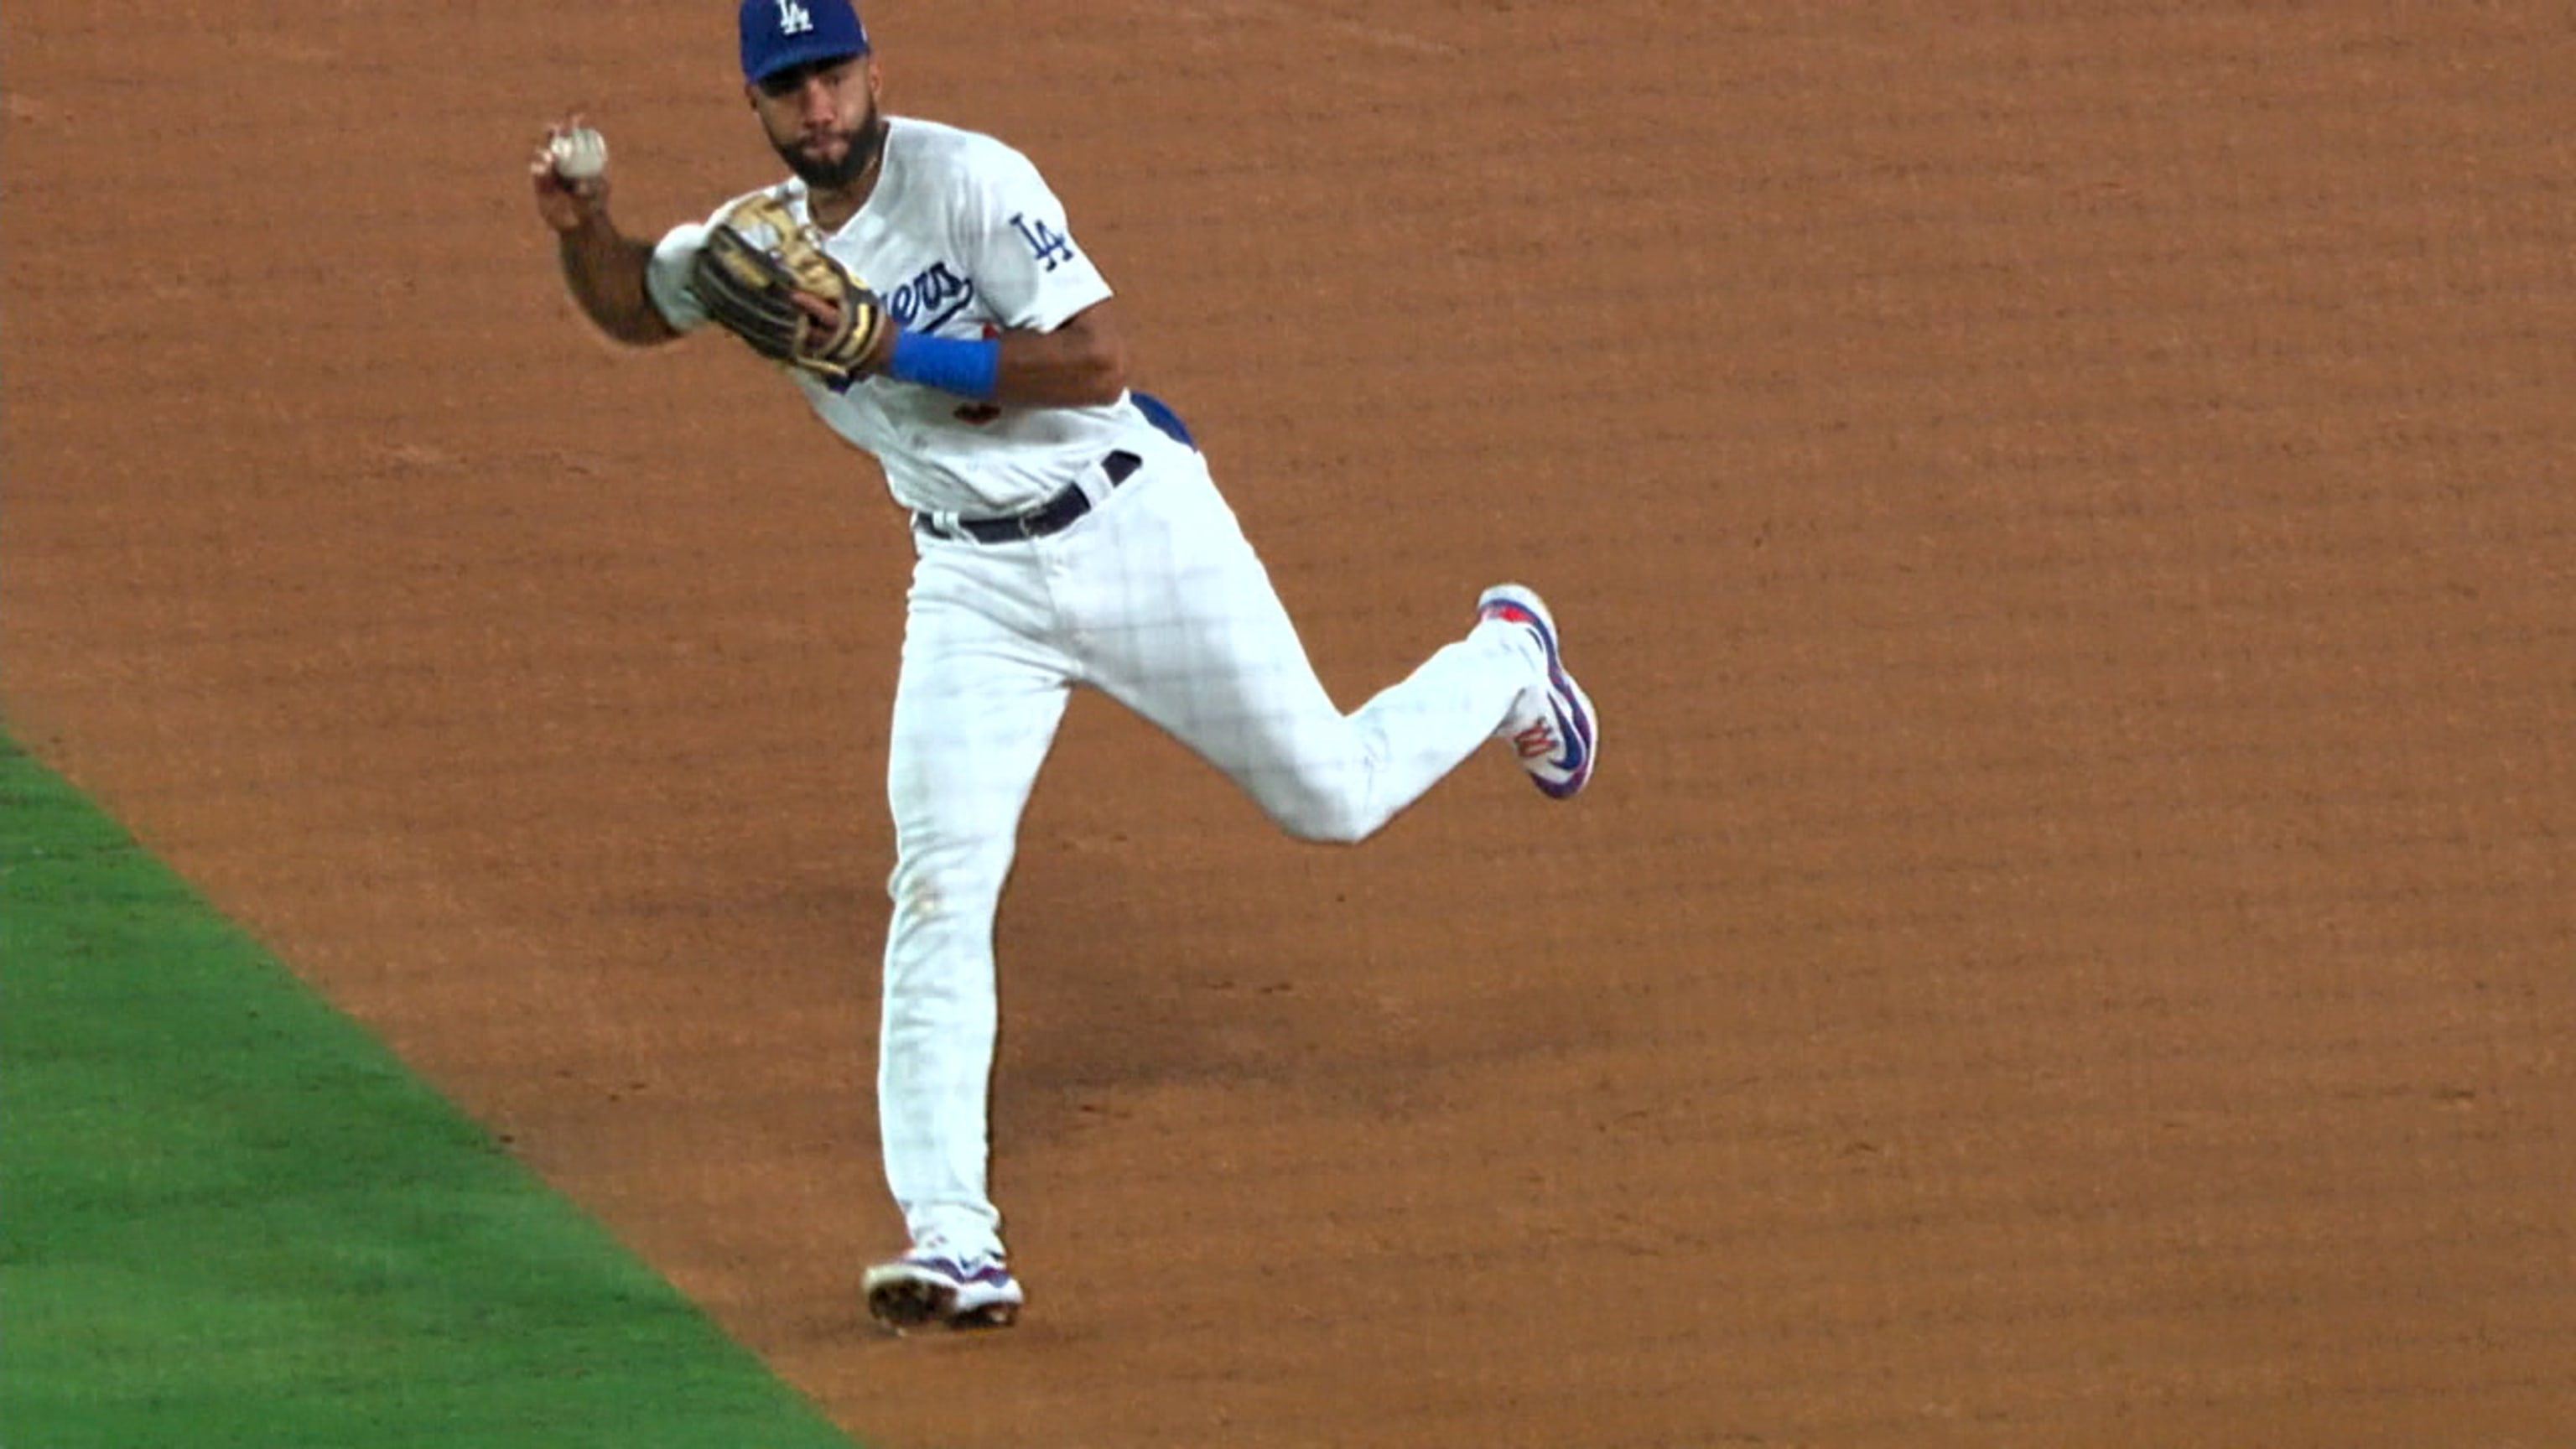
(1053, 516)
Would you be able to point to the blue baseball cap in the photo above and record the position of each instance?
(783, 34)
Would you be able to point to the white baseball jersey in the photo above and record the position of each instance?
(963, 238)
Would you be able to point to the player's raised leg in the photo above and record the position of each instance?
(1191, 635)
(976, 707)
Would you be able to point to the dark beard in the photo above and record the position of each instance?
(865, 143)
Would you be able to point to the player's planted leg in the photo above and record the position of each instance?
(976, 708)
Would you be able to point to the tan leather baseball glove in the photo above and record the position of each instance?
(764, 278)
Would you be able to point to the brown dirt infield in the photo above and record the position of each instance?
(2065, 508)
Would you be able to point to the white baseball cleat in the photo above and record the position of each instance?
(919, 1290)
(1554, 731)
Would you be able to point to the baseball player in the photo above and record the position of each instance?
(922, 286)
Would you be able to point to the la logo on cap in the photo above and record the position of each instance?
(779, 36)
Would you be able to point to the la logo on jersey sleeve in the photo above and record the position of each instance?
(1050, 246)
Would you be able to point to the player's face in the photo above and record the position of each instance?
(822, 119)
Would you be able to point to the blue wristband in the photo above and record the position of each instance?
(968, 367)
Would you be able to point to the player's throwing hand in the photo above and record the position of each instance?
(569, 172)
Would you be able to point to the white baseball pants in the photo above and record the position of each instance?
(1156, 599)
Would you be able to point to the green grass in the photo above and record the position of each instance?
(229, 1217)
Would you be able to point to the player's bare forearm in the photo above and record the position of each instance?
(1080, 364)
(602, 268)
(604, 271)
